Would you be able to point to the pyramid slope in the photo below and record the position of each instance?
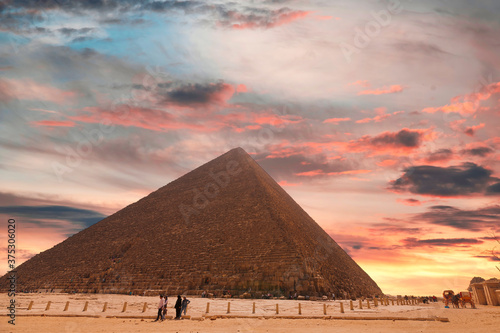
(225, 225)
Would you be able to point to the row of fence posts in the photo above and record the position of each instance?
(86, 306)
(383, 301)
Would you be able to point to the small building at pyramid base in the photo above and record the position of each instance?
(226, 226)
(486, 292)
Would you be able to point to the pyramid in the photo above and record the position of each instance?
(226, 225)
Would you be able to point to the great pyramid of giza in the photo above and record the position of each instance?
(226, 225)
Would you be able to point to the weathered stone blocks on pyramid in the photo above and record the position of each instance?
(226, 225)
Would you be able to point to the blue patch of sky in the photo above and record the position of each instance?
(152, 43)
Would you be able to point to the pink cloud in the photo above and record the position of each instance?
(362, 83)
(325, 17)
(382, 91)
(277, 18)
(285, 183)
(153, 119)
(409, 202)
(378, 118)
(27, 89)
(268, 118)
(335, 121)
(53, 123)
(241, 88)
(319, 172)
(470, 131)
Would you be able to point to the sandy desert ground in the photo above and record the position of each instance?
(402, 318)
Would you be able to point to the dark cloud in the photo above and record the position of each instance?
(490, 258)
(466, 179)
(71, 31)
(470, 131)
(404, 138)
(493, 189)
(21, 15)
(482, 219)
(82, 217)
(440, 155)
(418, 47)
(460, 242)
(298, 165)
(389, 228)
(81, 39)
(478, 151)
(195, 93)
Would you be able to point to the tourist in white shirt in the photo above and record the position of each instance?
(160, 309)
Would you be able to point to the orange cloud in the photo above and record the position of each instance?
(386, 163)
(382, 91)
(468, 103)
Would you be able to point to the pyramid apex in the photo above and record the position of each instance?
(238, 151)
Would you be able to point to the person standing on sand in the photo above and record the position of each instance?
(165, 303)
(160, 309)
(185, 303)
(178, 306)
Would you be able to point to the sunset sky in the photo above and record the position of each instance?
(380, 118)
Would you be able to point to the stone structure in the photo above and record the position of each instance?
(487, 292)
(226, 225)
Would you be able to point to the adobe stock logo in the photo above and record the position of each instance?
(202, 198)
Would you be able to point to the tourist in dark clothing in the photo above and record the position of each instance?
(178, 306)
(185, 303)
